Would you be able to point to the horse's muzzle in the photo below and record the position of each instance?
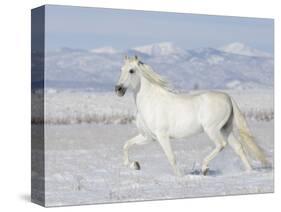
(120, 90)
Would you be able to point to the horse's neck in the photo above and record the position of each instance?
(146, 91)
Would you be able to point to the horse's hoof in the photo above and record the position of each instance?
(135, 165)
(205, 171)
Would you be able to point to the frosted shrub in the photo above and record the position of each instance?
(77, 107)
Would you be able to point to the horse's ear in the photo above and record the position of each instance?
(136, 57)
(140, 62)
(126, 57)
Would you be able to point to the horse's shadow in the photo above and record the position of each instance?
(263, 169)
(217, 172)
(199, 172)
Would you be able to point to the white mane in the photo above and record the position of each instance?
(154, 77)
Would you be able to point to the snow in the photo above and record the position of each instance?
(233, 84)
(104, 50)
(160, 49)
(84, 166)
(215, 59)
(242, 49)
(84, 137)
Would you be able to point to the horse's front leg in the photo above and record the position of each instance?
(138, 140)
(165, 143)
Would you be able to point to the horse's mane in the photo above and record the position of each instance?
(154, 77)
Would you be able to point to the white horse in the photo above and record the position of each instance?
(163, 115)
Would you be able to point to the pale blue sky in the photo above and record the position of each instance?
(88, 28)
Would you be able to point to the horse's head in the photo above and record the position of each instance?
(130, 76)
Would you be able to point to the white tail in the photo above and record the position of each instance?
(247, 139)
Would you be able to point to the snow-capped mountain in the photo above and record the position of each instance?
(205, 68)
(104, 50)
(242, 49)
(160, 49)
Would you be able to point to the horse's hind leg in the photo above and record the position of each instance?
(137, 140)
(237, 147)
(218, 138)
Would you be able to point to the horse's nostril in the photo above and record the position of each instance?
(118, 88)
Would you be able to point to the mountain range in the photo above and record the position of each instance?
(234, 66)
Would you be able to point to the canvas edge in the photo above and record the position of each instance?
(37, 128)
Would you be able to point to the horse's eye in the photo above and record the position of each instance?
(132, 71)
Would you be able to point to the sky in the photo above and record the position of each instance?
(89, 28)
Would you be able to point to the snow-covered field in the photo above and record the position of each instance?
(84, 165)
(85, 133)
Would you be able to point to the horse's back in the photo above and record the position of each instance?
(193, 94)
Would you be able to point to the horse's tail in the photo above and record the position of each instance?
(246, 136)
